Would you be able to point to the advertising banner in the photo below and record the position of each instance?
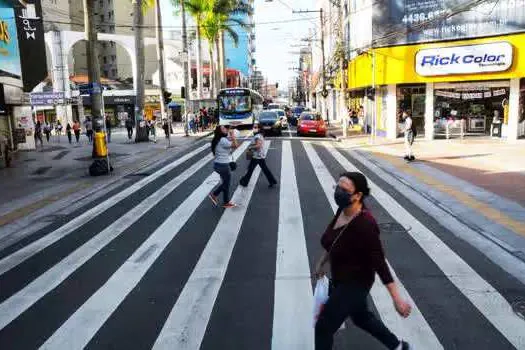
(47, 98)
(415, 21)
(10, 69)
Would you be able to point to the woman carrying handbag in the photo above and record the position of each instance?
(222, 145)
(354, 250)
(257, 156)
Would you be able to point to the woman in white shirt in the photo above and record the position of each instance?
(258, 158)
(222, 145)
(409, 137)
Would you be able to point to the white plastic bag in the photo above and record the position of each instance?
(320, 296)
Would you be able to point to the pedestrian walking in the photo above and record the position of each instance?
(76, 130)
(89, 129)
(47, 131)
(222, 145)
(68, 132)
(166, 128)
(58, 129)
(354, 250)
(257, 156)
(38, 134)
(108, 128)
(129, 128)
(410, 134)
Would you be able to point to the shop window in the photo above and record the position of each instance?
(469, 109)
(411, 99)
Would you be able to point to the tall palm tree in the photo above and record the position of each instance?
(198, 10)
(226, 10)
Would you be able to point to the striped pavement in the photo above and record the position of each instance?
(157, 266)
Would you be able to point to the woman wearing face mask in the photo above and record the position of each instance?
(222, 145)
(355, 253)
(258, 158)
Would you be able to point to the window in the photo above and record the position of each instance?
(101, 3)
(105, 73)
(101, 18)
(114, 72)
(105, 60)
(113, 58)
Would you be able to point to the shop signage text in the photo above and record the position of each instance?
(482, 58)
(47, 98)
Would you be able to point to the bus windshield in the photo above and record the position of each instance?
(235, 104)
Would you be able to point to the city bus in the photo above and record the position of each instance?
(239, 106)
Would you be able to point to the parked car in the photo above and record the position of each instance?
(270, 123)
(295, 113)
(311, 123)
(282, 115)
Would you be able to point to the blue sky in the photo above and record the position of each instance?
(273, 40)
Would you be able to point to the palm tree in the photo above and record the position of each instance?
(198, 10)
(225, 9)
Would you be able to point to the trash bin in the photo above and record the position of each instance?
(496, 129)
(101, 149)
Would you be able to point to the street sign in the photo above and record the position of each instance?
(47, 98)
(90, 88)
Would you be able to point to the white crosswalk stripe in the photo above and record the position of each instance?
(185, 326)
(188, 316)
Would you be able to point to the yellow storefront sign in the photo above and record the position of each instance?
(396, 65)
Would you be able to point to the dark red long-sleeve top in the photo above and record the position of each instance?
(358, 254)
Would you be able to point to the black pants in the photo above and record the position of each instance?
(130, 133)
(350, 300)
(77, 135)
(223, 169)
(69, 136)
(89, 134)
(251, 167)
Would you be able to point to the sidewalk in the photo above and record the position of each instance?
(480, 181)
(39, 178)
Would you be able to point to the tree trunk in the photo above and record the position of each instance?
(222, 60)
(199, 62)
(138, 21)
(212, 71)
(218, 76)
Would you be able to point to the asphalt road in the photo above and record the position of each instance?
(156, 265)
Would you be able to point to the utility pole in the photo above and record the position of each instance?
(324, 92)
(138, 21)
(160, 58)
(342, 98)
(185, 62)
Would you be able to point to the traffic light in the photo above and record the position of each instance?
(182, 92)
(166, 97)
(371, 93)
(276, 85)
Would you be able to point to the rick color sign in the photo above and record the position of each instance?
(483, 58)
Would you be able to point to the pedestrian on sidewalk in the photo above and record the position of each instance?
(47, 131)
(258, 157)
(58, 129)
(76, 129)
(222, 145)
(108, 128)
(38, 134)
(410, 134)
(129, 128)
(89, 129)
(353, 248)
(68, 132)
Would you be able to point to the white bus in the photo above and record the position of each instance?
(239, 106)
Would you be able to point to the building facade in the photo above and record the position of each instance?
(241, 56)
(459, 72)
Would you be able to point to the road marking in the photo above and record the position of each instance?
(23, 299)
(290, 131)
(187, 321)
(28, 251)
(415, 328)
(480, 293)
(292, 311)
(78, 330)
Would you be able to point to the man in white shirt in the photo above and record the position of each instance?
(409, 137)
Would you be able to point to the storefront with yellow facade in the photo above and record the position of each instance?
(452, 88)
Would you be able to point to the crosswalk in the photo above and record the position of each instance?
(157, 266)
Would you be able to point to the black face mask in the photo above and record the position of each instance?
(342, 198)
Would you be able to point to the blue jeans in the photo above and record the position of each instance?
(223, 169)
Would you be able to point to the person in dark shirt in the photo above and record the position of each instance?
(354, 250)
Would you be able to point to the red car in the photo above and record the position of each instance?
(311, 123)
